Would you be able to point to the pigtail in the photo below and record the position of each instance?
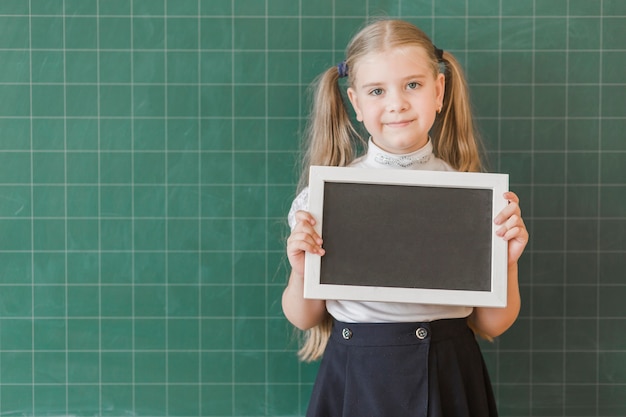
(330, 141)
(455, 139)
(330, 135)
(315, 339)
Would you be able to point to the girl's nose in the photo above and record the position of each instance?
(397, 102)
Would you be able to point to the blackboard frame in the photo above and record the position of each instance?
(492, 293)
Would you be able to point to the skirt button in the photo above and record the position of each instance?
(421, 333)
(346, 333)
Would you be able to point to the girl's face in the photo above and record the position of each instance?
(396, 96)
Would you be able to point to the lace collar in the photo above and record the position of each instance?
(381, 157)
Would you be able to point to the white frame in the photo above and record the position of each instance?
(498, 183)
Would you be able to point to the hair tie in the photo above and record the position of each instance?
(438, 53)
(342, 69)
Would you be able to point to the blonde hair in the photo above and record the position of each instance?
(332, 140)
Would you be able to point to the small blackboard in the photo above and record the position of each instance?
(407, 236)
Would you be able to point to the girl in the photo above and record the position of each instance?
(396, 359)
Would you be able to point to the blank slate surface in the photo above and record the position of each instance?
(407, 236)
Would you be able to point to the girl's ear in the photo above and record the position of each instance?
(355, 104)
(440, 89)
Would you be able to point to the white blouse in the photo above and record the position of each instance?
(384, 312)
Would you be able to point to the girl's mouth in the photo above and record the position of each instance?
(401, 123)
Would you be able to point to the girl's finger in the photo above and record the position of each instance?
(312, 239)
(512, 209)
(512, 228)
(304, 216)
(303, 242)
(511, 197)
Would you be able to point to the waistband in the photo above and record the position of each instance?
(386, 334)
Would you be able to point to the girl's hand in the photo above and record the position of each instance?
(304, 313)
(303, 239)
(512, 228)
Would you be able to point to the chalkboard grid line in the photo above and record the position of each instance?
(299, 397)
(280, 84)
(66, 211)
(299, 84)
(601, 217)
(199, 221)
(262, 351)
(98, 110)
(599, 248)
(498, 360)
(233, 371)
(266, 208)
(269, 285)
(167, 230)
(277, 117)
(141, 317)
(566, 213)
(500, 16)
(32, 217)
(132, 203)
(283, 384)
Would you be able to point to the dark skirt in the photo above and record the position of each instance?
(431, 369)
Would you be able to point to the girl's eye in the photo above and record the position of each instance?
(376, 92)
(412, 85)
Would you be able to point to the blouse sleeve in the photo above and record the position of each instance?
(301, 202)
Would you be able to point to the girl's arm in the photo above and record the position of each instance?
(302, 312)
(492, 322)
